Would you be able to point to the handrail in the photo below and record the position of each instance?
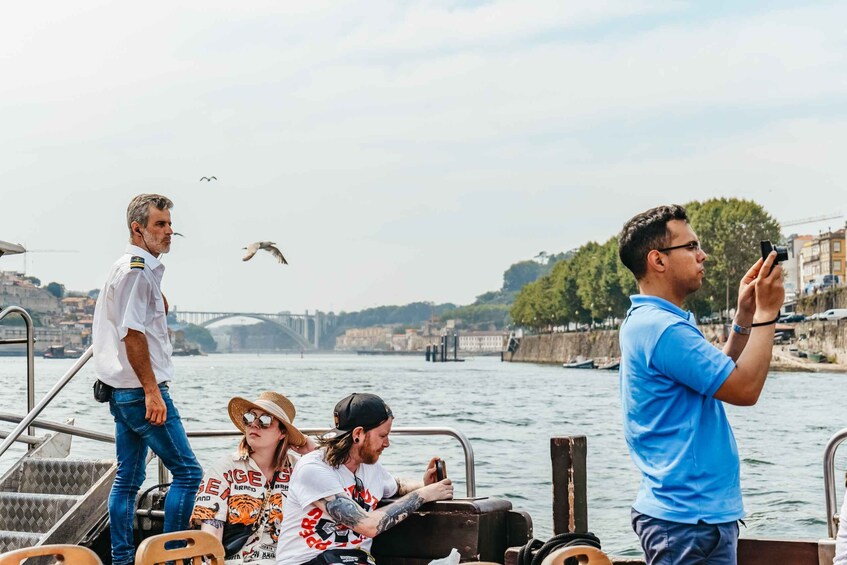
(829, 481)
(30, 358)
(61, 428)
(33, 413)
(470, 469)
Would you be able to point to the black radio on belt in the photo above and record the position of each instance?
(102, 391)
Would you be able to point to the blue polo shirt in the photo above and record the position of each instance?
(678, 434)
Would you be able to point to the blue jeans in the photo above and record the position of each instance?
(133, 435)
(674, 543)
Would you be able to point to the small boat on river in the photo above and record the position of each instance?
(584, 364)
(61, 352)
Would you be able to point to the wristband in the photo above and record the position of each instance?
(760, 324)
(743, 330)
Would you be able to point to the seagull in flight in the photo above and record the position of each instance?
(267, 246)
(208, 179)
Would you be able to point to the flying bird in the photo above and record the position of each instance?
(267, 246)
(208, 179)
(179, 234)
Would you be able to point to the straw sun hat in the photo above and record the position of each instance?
(272, 403)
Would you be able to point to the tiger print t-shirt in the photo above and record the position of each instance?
(234, 491)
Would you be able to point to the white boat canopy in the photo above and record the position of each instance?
(7, 248)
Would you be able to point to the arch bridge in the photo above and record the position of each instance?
(305, 329)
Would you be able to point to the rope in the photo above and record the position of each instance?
(542, 549)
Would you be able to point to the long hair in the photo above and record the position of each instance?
(280, 458)
(336, 449)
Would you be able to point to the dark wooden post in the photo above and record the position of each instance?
(570, 485)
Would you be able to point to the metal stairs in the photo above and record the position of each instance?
(47, 498)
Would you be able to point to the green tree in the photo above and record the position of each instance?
(602, 281)
(480, 315)
(730, 231)
(56, 289)
(519, 274)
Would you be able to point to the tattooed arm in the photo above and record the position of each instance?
(344, 510)
(405, 486)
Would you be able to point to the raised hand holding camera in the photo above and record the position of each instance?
(770, 292)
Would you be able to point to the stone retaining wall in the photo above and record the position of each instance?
(827, 337)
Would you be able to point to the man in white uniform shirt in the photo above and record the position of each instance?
(132, 356)
(331, 516)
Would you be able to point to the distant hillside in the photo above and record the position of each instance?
(489, 309)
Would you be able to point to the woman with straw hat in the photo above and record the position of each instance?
(241, 499)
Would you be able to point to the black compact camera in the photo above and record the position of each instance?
(781, 252)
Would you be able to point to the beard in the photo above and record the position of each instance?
(369, 456)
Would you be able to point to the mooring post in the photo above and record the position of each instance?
(570, 484)
(428, 349)
(455, 347)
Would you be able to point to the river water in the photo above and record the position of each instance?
(509, 412)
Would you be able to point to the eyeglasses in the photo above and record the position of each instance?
(265, 420)
(691, 246)
(359, 493)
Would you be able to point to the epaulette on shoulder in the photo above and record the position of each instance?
(136, 262)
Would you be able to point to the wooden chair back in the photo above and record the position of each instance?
(63, 553)
(199, 545)
(585, 555)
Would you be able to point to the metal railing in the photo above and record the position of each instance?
(29, 340)
(829, 481)
(470, 469)
(34, 411)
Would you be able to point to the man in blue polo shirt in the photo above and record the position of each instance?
(674, 384)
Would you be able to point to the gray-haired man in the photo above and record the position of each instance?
(132, 354)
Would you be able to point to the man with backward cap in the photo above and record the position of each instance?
(331, 515)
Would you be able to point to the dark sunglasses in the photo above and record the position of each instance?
(691, 246)
(359, 493)
(265, 420)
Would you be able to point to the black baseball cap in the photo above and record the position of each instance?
(359, 409)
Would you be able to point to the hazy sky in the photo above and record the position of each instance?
(402, 151)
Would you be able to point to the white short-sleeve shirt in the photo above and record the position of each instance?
(131, 299)
(306, 530)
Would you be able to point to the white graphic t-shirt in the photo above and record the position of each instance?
(236, 492)
(306, 530)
